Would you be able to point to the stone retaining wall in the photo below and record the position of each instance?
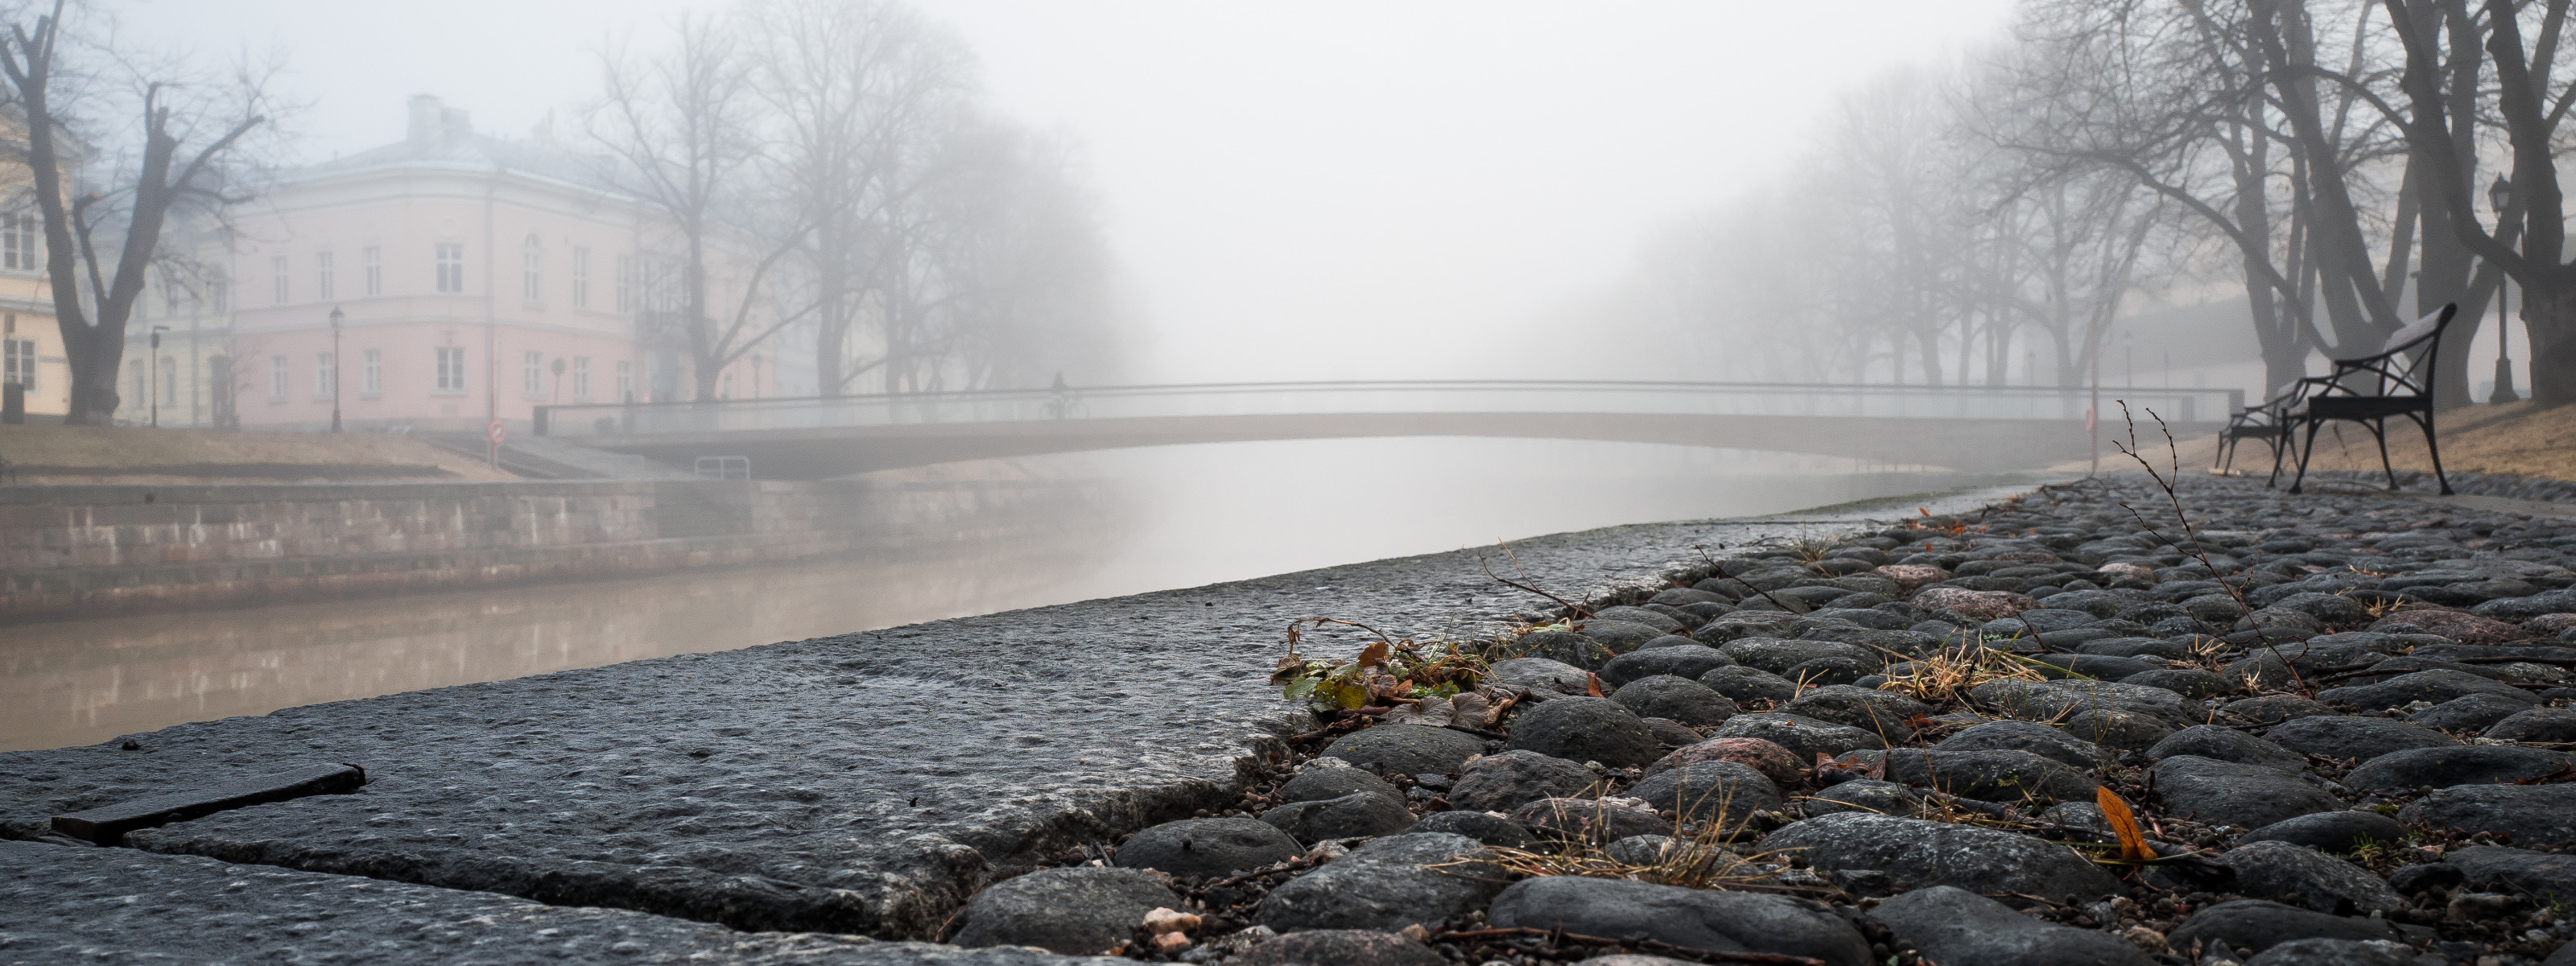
(74, 551)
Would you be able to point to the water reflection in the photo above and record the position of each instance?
(1216, 513)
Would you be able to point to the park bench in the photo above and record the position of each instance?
(2261, 422)
(2370, 390)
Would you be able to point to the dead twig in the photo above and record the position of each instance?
(2198, 552)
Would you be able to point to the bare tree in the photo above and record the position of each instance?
(682, 130)
(59, 97)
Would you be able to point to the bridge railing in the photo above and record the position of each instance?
(1318, 398)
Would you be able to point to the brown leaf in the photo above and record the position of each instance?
(2133, 844)
(1594, 688)
(1375, 654)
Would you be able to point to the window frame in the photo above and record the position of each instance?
(276, 378)
(580, 277)
(371, 263)
(326, 375)
(323, 282)
(284, 277)
(451, 268)
(371, 373)
(445, 386)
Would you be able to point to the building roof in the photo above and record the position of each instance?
(441, 138)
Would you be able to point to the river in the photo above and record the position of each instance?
(1176, 517)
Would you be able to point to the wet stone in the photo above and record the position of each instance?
(2192, 683)
(1672, 733)
(1356, 815)
(1774, 762)
(2116, 729)
(2033, 737)
(1404, 749)
(1952, 925)
(2535, 816)
(1721, 791)
(1492, 830)
(2537, 725)
(1804, 737)
(1323, 784)
(1777, 655)
(1883, 712)
(2437, 686)
(2255, 925)
(1588, 819)
(1500, 783)
(1542, 673)
(2354, 738)
(2477, 712)
(1994, 776)
(1675, 698)
(1385, 885)
(2275, 708)
(2516, 870)
(1208, 846)
(2227, 793)
(1691, 918)
(1633, 615)
(2227, 744)
(1980, 860)
(1688, 659)
(1341, 947)
(107, 824)
(1564, 647)
(1580, 729)
(2332, 831)
(1744, 684)
(2336, 952)
(2298, 875)
(1076, 911)
(1865, 795)
(2445, 767)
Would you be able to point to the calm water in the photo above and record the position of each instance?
(1173, 517)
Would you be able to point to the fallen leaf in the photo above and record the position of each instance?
(2124, 823)
(1594, 688)
(1375, 654)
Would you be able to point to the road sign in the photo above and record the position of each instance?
(495, 433)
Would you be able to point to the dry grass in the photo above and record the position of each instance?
(1946, 675)
(2515, 439)
(127, 454)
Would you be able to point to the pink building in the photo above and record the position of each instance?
(479, 278)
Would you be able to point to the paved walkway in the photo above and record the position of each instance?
(857, 784)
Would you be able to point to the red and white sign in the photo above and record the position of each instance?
(2089, 419)
(495, 433)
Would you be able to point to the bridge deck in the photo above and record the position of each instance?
(1977, 427)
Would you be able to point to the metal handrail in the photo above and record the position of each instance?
(996, 405)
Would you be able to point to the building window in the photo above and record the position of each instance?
(625, 381)
(169, 380)
(451, 269)
(280, 263)
(169, 297)
(625, 285)
(18, 242)
(536, 373)
(18, 362)
(277, 378)
(373, 262)
(326, 375)
(371, 372)
(581, 278)
(531, 271)
(451, 368)
(322, 276)
(581, 379)
(219, 296)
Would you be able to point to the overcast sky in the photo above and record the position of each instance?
(1309, 190)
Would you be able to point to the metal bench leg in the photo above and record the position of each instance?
(2379, 430)
(2304, 452)
(2281, 442)
(2434, 448)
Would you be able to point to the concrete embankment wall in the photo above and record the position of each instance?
(78, 551)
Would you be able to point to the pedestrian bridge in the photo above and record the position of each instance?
(1979, 428)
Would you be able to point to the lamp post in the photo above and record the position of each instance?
(2500, 194)
(156, 374)
(336, 318)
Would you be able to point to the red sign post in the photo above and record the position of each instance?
(496, 434)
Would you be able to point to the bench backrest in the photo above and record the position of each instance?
(2406, 363)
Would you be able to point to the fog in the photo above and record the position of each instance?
(1308, 191)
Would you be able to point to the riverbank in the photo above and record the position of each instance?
(74, 551)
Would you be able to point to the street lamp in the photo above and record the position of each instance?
(156, 374)
(336, 318)
(2500, 194)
